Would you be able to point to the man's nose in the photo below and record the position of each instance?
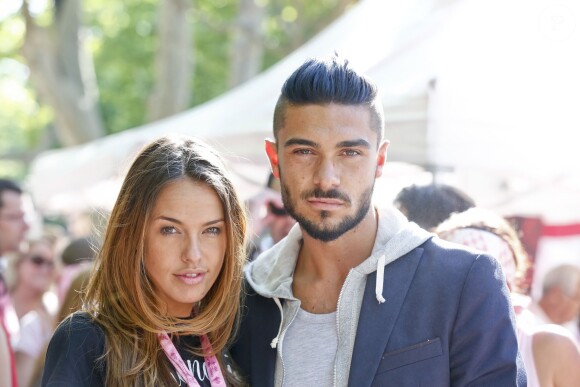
(327, 175)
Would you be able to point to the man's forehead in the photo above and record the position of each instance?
(10, 199)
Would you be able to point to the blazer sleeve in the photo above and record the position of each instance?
(73, 355)
(483, 347)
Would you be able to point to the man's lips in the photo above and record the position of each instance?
(325, 204)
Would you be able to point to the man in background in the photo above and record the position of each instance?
(13, 229)
(429, 205)
(272, 222)
(560, 300)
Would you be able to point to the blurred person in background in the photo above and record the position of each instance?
(7, 373)
(77, 255)
(560, 299)
(550, 355)
(72, 302)
(35, 274)
(13, 228)
(274, 224)
(429, 205)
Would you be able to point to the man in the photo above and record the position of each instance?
(429, 205)
(12, 231)
(275, 224)
(357, 295)
(12, 224)
(560, 300)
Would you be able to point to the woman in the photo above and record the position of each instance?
(71, 303)
(164, 295)
(35, 305)
(550, 355)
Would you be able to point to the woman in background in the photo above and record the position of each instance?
(71, 302)
(35, 305)
(163, 299)
(550, 354)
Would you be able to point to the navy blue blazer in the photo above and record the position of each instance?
(447, 321)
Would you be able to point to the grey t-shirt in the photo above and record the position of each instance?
(309, 350)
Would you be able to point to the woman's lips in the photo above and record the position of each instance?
(191, 278)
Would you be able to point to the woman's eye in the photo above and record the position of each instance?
(168, 230)
(214, 230)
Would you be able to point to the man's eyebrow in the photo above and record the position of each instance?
(353, 144)
(300, 141)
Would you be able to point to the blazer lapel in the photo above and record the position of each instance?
(266, 316)
(376, 321)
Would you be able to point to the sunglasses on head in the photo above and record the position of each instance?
(277, 211)
(41, 261)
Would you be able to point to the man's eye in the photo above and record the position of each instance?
(351, 152)
(168, 230)
(303, 151)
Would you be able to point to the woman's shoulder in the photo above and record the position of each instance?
(74, 355)
(81, 321)
(82, 328)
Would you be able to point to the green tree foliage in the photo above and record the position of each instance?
(23, 121)
(123, 41)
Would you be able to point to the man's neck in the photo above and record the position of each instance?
(322, 267)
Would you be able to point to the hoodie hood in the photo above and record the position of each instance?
(270, 275)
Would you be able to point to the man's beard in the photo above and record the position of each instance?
(315, 229)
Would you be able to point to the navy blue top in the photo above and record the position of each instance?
(73, 356)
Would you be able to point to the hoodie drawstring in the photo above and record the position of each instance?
(380, 279)
(274, 342)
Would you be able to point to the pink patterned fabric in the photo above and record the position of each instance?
(489, 243)
(211, 363)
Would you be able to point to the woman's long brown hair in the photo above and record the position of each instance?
(121, 298)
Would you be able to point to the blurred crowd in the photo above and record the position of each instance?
(548, 327)
(41, 277)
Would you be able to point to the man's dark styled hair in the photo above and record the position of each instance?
(321, 82)
(8, 185)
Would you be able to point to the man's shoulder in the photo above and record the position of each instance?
(438, 248)
(253, 297)
(454, 259)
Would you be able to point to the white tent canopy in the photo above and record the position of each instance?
(485, 88)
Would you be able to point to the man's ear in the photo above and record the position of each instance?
(272, 152)
(381, 158)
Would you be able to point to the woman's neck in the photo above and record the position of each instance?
(26, 300)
